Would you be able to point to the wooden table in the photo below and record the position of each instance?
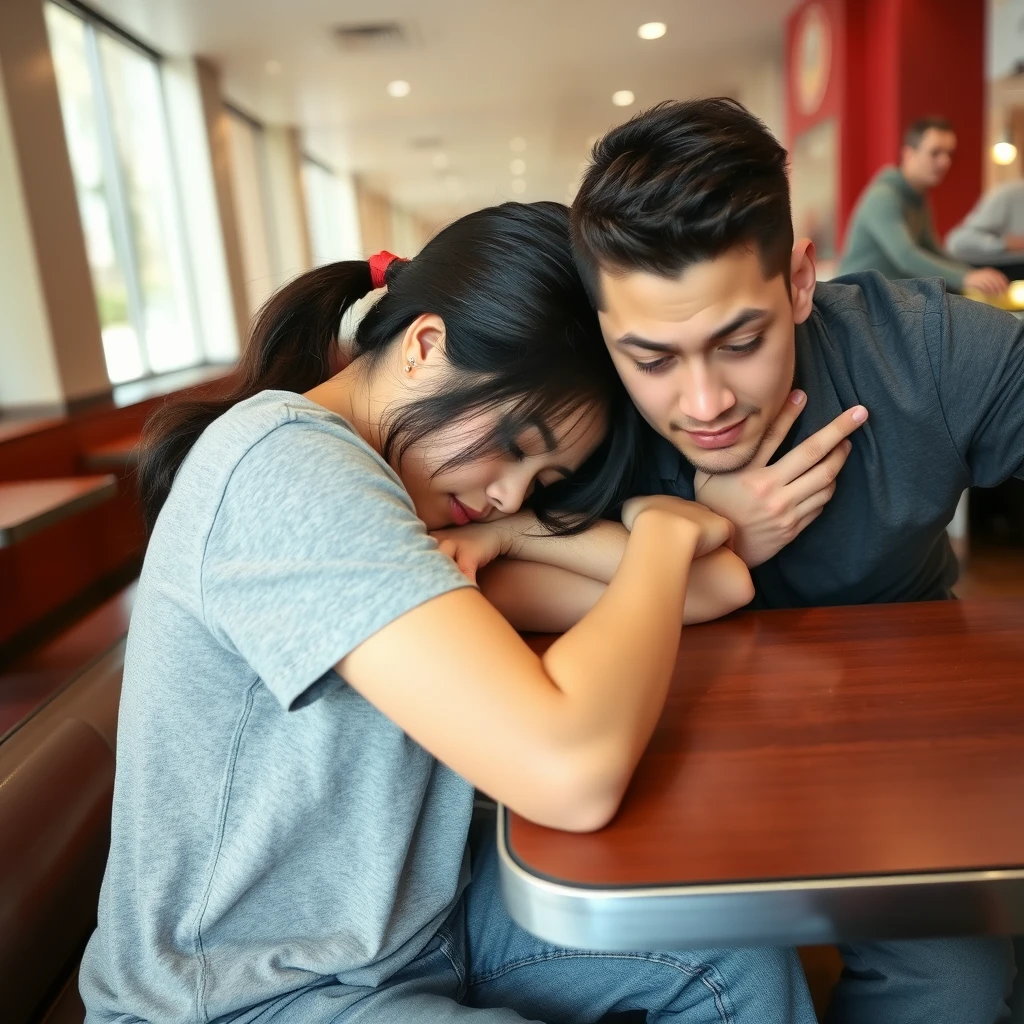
(26, 507)
(817, 775)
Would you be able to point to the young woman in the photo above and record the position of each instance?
(312, 689)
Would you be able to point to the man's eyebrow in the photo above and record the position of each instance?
(741, 319)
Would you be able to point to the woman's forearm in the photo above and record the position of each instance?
(540, 598)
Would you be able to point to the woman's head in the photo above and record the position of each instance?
(484, 362)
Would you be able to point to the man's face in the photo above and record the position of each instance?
(928, 164)
(708, 357)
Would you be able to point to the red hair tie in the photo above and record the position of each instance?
(379, 267)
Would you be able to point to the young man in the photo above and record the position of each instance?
(891, 229)
(683, 234)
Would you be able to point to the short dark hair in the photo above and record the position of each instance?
(679, 184)
(915, 130)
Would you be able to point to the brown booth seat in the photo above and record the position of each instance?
(56, 785)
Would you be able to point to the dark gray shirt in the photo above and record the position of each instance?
(943, 379)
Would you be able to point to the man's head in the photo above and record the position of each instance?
(927, 155)
(683, 235)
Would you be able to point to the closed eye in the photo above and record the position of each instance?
(653, 365)
(746, 348)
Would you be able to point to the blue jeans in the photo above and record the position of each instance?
(924, 981)
(482, 968)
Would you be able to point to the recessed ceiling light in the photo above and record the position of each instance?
(623, 98)
(517, 167)
(272, 67)
(652, 30)
(398, 89)
(518, 186)
(440, 161)
(518, 144)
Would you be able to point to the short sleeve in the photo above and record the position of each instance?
(314, 548)
(977, 355)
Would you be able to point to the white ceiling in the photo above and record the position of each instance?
(481, 71)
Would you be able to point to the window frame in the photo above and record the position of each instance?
(125, 248)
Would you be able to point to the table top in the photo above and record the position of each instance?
(803, 749)
(26, 507)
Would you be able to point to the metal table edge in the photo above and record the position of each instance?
(790, 912)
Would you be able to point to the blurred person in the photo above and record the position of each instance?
(993, 231)
(891, 229)
(752, 377)
(312, 689)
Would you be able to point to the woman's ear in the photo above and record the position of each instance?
(423, 343)
(802, 278)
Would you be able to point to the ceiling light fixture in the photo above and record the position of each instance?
(623, 98)
(518, 168)
(518, 144)
(399, 89)
(652, 30)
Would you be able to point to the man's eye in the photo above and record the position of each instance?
(746, 348)
(653, 366)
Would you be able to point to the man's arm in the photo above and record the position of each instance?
(982, 231)
(977, 355)
(882, 217)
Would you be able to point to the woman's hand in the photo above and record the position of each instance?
(714, 529)
(478, 544)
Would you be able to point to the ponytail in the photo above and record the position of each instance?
(293, 346)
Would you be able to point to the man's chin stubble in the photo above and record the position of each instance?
(737, 462)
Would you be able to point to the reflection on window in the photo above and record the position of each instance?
(333, 218)
(112, 102)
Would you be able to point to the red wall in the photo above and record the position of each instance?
(894, 61)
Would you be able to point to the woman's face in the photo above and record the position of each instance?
(499, 484)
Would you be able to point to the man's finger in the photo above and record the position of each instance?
(818, 477)
(810, 452)
(780, 427)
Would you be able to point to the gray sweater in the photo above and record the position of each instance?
(982, 233)
(891, 232)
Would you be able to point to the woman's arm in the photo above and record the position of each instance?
(539, 598)
(555, 737)
(545, 583)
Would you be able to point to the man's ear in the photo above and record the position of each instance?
(802, 279)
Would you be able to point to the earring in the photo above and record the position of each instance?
(409, 365)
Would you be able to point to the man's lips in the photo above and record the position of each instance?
(717, 438)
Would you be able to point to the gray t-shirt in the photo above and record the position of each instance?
(271, 828)
(943, 380)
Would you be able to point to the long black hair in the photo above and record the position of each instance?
(520, 336)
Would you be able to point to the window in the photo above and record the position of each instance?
(333, 217)
(112, 102)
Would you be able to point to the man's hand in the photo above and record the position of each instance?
(770, 505)
(987, 280)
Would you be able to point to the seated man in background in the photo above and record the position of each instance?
(891, 227)
(683, 234)
(993, 231)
